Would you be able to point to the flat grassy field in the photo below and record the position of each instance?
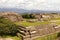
(26, 24)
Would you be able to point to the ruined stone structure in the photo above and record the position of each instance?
(11, 16)
(32, 32)
(38, 16)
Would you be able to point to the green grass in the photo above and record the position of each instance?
(16, 38)
(12, 37)
(26, 24)
(48, 37)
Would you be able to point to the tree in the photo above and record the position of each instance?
(28, 16)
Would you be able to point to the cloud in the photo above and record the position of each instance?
(31, 4)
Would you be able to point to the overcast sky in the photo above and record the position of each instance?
(31, 4)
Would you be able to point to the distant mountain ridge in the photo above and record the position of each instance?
(24, 10)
